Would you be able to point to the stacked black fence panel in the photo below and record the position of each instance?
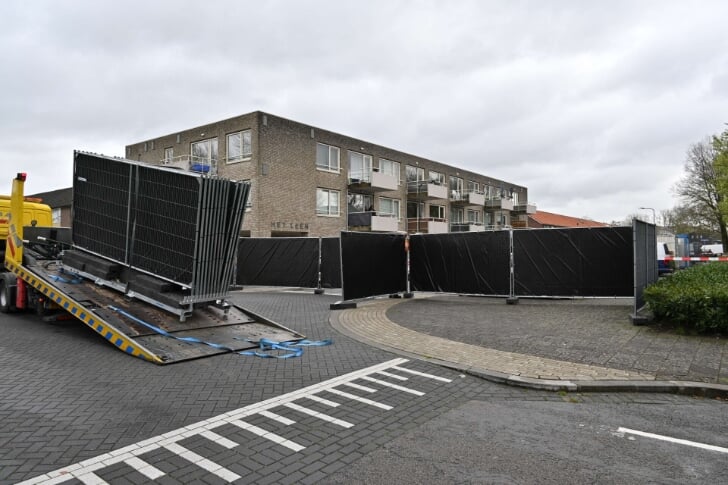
(476, 262)
(372, 264)
(330, 262)
(176, 225)
(645, 260)
(278, 261)
(101, 190)
(574, 262)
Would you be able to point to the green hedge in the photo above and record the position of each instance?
(695, 298)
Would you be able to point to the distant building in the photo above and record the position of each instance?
(542, 219)
(307, 181)
(60, 202)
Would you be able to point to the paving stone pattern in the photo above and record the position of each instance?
(593, 332)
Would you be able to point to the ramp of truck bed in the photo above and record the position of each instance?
(145, 331)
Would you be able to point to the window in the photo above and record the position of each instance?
(204, 151)
(239, 146)
(437, 178)
(456, 185)
(327, 157)
(456, 215)
(414, 174)
(327, 202)
(515, 198)
(388, 167)
(389, 207)
(437, 211)
(473, 187)
(415, 210)
(168, 155)
(359, 203)
(473, 216)
(360, 166)
(56, 216)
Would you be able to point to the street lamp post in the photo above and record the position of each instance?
(653, 213)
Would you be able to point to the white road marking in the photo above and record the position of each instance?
(220, 440)
(393, 376)
(149, 471)
(277, 417)
(679, 441)
(393, 386)
(421, 374)
(85, 470)
(354, 397)
(321, 400)
(268, 435)
(360, 387)
(321, 416)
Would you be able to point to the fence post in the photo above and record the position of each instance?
(319, 290)
(512, 298)
(408, 293)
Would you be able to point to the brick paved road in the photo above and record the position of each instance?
(67, 396)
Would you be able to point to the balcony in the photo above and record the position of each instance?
(467, 227)
(370, 221)
(423, 190)
(372, 181)
(499, 203)
(525, 208)
(192, 164)
(467, 198)
(427, 225)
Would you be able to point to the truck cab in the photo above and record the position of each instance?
(35, 213)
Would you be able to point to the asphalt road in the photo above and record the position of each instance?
(350, 413)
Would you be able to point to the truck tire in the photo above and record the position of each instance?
(7, 297)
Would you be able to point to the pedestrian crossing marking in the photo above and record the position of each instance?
(132, 455)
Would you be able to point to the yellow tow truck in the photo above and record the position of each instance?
(36, 279)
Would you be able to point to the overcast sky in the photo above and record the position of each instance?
(591, 105)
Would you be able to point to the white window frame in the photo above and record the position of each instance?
(392, 213)
(364, 173)
(168, 155)
(367, 201)
(245, 143)
(437, 178)
(473, 186)
(457, 215)
(419, 173)
(328, 193)
(333, 154)
(56, 216)
(211, 147)
(440, 209)
(473, 220)
(390, 167)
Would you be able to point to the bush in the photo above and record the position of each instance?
(696, 298)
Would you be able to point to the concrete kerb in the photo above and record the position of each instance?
(702, 389)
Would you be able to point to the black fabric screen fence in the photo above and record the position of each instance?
(289, 262)
(546, 262)
(595, 261)
(475, 262)
(372, 264)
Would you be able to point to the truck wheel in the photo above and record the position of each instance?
(7, 297)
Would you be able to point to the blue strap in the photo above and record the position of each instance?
(291, 346)
(74, 281)
(160, 331)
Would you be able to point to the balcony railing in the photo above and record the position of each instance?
(372, 221)
(373, 179)
(427, 225)
(466, 227)
(525, 208)
(422, 189)
(467, 197)
(192, 164)
(499, 203)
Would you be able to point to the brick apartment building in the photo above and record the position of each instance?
(307, 181)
